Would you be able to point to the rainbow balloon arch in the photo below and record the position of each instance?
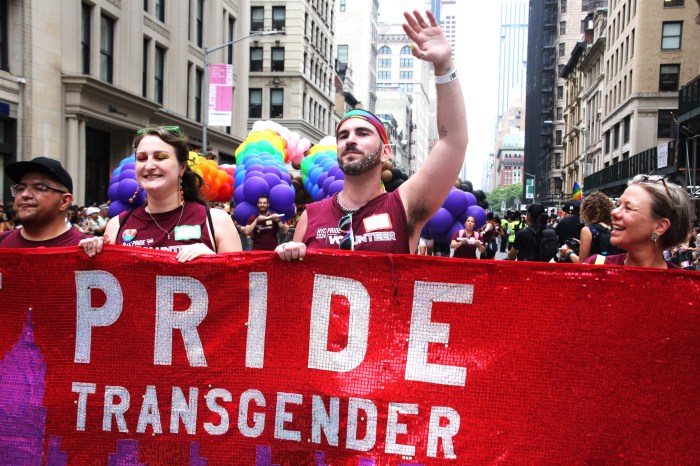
(263, 163)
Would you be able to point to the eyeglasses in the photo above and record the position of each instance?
(345, 227)
(17, 189)
(656, 179)
(172, 129)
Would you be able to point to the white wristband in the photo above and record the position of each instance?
(446, 78)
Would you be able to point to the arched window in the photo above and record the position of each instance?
(385, 50)
(406, 50)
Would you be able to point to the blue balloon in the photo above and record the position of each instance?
(314, 173)
(117, 171)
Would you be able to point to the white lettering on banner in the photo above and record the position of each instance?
(446, 433)
(355, 405)
(258, 418)
(394, 427)
(282, 416)
(362, 415)
(83, 389)
(424, 332)
(115, 409)
(349, 358)
(150, 413)
(168, 319)
(211, 398)
(321, 420)
(257, 320)
(87, 316)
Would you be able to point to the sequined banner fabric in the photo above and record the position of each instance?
(343, 359)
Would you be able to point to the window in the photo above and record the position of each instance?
(669, 78)
(385, 63)
(257, 18)
(342, 5)
(229, 38)
(562, 28)
(627, 130)
(406, 63)
(584, 5)
(84, 38)
(665, 124)
(199, 24)
(409, 87)
(562, 6)
(278, 17)
(557, 160)
(256, 59)
(277, 62)
(384, 50)
(616, 140)
(160, 10)
(671, 35)
(198, 88)
(560, 92)
(560, 114)
(558, 137)
(405, 74)
(343, 53)
(276, 103)
(145, 5)
(106, 49)
(674, 3)
(584, 23)
(144, 65)
(159, 74)
(384, 75)
(606, 139)
(562, 49)
(406, 50)
(255, 103)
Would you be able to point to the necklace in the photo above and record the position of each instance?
(345, 209)
(163, 229)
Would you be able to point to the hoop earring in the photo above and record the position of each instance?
(655, 237)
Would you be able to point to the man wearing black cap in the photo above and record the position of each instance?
(42, 196)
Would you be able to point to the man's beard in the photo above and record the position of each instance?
(363, 166)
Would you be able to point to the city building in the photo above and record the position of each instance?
(512, 55)
(508, 160)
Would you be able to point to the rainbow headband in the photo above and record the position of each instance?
(367, 116)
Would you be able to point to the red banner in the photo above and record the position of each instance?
(343, 359)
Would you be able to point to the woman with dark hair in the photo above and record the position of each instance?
(595, 212)
(175, 217)
(466, 241)
(652, 215)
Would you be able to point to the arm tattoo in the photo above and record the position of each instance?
(443, 131)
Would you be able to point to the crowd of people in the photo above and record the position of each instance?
(650, 226)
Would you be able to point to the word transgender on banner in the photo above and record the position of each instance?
(342, 359)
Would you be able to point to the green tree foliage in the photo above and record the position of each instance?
(508, 193)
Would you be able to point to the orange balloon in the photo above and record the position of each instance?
(223, 176)
(205, 169)
(386, 176)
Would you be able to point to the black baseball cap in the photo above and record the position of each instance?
(49, 167)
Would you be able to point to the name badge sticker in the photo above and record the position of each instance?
(377, 222)
(185, 232)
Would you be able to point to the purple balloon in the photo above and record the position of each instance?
(253, 173)
(126, 190)
(441, 221)
(290, 212)
(322, 178)
(452, 230)
(114, 180)
(272, 179)
(129, 166)
(320, 195)
(335, 187)
(281, 197)
(116, 208)
(339, 175)
(255, 167)
(112, 191)
(333, 170)
(478, 213)
(326, 183)
(238, 194)
(272, 169)
(286, 178)
(425, 232)
(253, 188)
(127, 175)
(244, 211)
(456, 202)
(471, 199)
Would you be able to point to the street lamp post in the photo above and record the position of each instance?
(205, 100)
(584, 133)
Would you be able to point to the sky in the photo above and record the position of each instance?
(477, 64)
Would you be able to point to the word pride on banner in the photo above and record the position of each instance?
(343, 359)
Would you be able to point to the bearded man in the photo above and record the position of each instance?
(362, 217)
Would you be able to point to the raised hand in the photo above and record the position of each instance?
(430, 42)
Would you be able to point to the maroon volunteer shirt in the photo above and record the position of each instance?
(140, 230)
(378, 226)
(465, 251)
(264, 234)
(14, 239)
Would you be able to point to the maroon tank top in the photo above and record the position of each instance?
(378, 226)
(140, 230)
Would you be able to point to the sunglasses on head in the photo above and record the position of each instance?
(171, 129)
(345, 227)
(656, 179)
